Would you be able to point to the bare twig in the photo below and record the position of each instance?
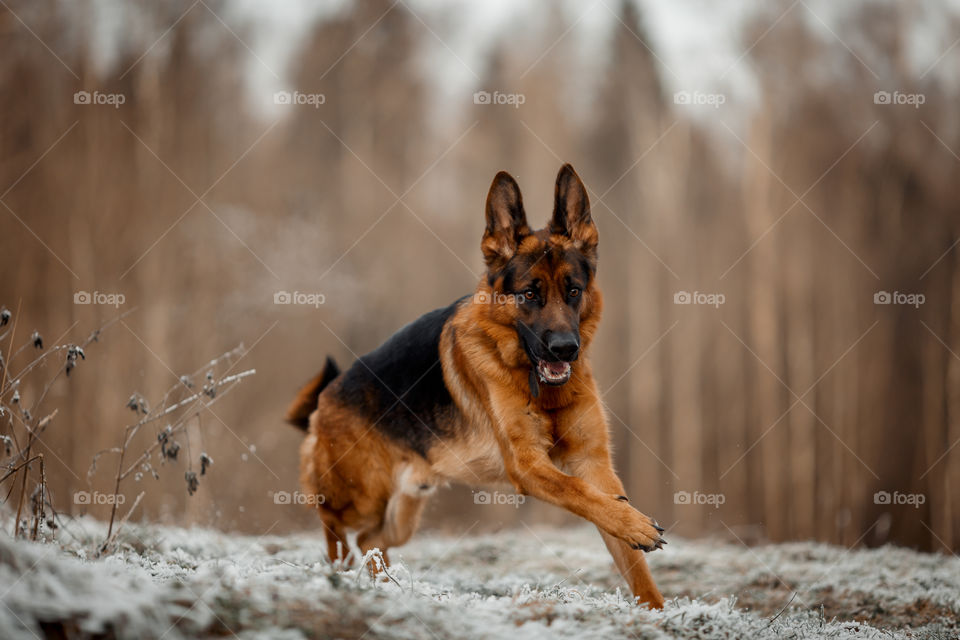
(182, 410)
(93, 337)
(33, 423)
(18, 467)
(792, 598)
(38, 511)
(13, 332)
(182, 403)
(110, 538)
(23, 491)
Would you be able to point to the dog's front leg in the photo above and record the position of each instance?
(530, 469)
(630, 562)
(597, 496)
(584, 449)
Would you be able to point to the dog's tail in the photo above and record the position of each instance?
(298, 413)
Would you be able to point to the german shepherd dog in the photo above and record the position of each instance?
(494, 388)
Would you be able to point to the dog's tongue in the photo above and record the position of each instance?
(556, 368)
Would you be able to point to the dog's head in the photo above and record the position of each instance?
(542, 282)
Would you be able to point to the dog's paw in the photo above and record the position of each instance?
(652, 601)
(640, 531)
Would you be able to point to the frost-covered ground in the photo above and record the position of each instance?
(532, 583)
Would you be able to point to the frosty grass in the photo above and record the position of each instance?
(166, 582)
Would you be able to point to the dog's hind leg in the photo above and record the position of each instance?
(337, 548)
(402, 518)
(368, 541)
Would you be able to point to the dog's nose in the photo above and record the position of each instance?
(563, 346)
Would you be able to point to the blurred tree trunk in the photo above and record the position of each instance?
(766, 465)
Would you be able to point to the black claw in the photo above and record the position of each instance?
(661, 541)
(622, 499)
(658, 527)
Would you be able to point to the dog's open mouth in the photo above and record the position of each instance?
(553, 372)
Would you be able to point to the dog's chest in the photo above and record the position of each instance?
(473, 459)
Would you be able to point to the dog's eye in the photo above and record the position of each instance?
(574, 292)
(529, 294)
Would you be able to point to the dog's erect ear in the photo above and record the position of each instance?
(506, 221)
(571, 212)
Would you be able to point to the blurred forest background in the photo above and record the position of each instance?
(783, 184)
